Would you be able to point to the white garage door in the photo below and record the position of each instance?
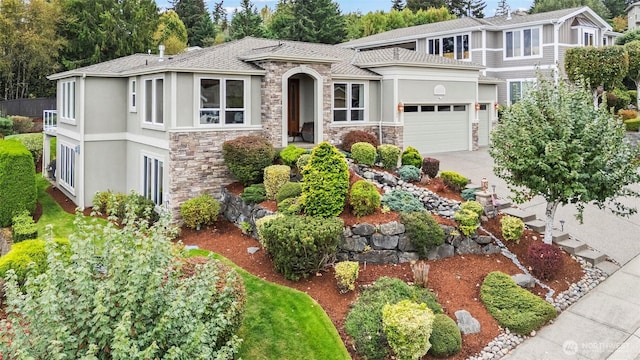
(483, 129)
(436, 128)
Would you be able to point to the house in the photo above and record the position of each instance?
(511, 47)
(156, 124)
(633, 16)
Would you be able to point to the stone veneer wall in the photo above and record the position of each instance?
(196, 165)
(391, 134)
(475, 131)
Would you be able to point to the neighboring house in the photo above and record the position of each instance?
(633, 16)
(156, 124)
(511, 47)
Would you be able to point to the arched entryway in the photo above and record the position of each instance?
(301, 106)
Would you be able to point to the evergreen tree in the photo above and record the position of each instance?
(397, 5)
(318, 21)
(415, 5)
(503, 8)
(246, 22)
(549, 5)
(220, 16)
(196, 19)
(470, 8)
(617, 7)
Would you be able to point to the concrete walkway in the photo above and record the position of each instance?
(604, 324)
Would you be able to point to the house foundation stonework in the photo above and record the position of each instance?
(391, 133)
(475, 128)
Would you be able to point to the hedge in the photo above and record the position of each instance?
(29, 258)
(17, 181)
(632, 124)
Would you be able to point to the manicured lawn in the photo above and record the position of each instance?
(52, 213)
(282, 323)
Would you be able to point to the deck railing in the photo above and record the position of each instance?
(50, 121)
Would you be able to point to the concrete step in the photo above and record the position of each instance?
(572, 246)
(592, 256)
(503, 204)
(608, 267)
(473, 186)
(557, 236)
(525, 216)
(536, 225)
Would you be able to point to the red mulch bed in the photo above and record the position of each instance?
(456, 281)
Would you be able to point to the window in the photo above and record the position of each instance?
(154, 101)
(152, 179)
(453, 47)
(522, 43)
(348, 102)
(459, 107)
(132, 95)
(410, 108)
(588, 37)
(518, 88)
(428, 108)
(69, 100)
(67, 166)
(221, 99)
(604, 41)
(444, 107)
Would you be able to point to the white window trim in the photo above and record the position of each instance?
(223, 102)
(67, 169)
(364, 108)
(523, 81)
(521, 57)
(133, 95)
(154, 124)
(68, 102)
(591, 31)
(152, 156)
(455, 45)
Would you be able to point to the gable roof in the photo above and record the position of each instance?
(515, 19)
(244, 57)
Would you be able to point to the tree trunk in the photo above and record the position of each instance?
(549, 213)
(595, 98)
(420, 271)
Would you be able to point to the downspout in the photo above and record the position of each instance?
(556, 50)
(81, 125)
(381, 105)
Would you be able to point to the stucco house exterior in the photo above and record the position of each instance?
(156, 124)
(512, 47)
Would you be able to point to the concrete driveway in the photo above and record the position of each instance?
(618, 237)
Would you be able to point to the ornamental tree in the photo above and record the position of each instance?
(633, 50)
(555, 144)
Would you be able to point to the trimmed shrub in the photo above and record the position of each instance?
(513, 307)
(632, 124)
(430, 167)
(254, 194)
(247, 156)
(389, 155)
(29, 258)
(291, 154)
(454, 180)
(325, 182)
(409, 173)
(23, 227)
(364, 198)
(346, 273)
(512, 228)
(408, 326)
(289, 190)
(302, 245)
(21, 124)
(545, 260)
(423, 231)
(468, 221)
(6, 127)
(474, 206)
(445, 339)
(469, 194)
(364, 321)
(260, 222)
(411, 156)
(116, 205)
(140, 207)
(274, 177)
(618, 99)
(627, 114)
(33, 142)
(17, 181)
(303, 160)
(200, 210)
(356, 136)
(363, 153)
(402, 201)
(291, 206)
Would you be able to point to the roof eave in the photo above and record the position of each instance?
(423, 65)
(195, 70)
(301, 59)
(490, 81)
(356, 77)
(415, 37)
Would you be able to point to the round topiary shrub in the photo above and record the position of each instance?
(411, 156)
(512, 228)
(200, 210)
(29, 258)
(468, 221)
(545, 260)
(363, 153)
(274, 177)
(454, 180)
(389, 155)
(430, 167)
(409, 173)
(325, 182)
(247, 156)
(356, 136)
(291, 153)
(474, 206)
(445, 337)
(346, 273)
(289, 190)
(254, 194)
(402, 201)
(423, 231)
(17, 181)
(364, 198)
(408, 326)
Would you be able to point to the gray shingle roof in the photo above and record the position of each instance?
(462, 24)
(400, 56)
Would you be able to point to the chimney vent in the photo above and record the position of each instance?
(161, 51)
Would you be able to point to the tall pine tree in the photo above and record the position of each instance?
(397, 5)
(503, 8)
(469, 8)
(246, 22)
(415, 5)
(196, 19)
(318, 21)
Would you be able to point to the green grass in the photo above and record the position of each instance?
(282, 323)
(52, 213)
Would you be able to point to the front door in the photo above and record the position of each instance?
(294, 107)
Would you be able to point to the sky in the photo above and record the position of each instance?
(347, 6)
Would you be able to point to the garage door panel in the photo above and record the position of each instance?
(433, 132)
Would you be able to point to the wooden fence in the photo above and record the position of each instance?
(27, 107)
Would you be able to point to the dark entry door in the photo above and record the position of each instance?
(294, 107)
